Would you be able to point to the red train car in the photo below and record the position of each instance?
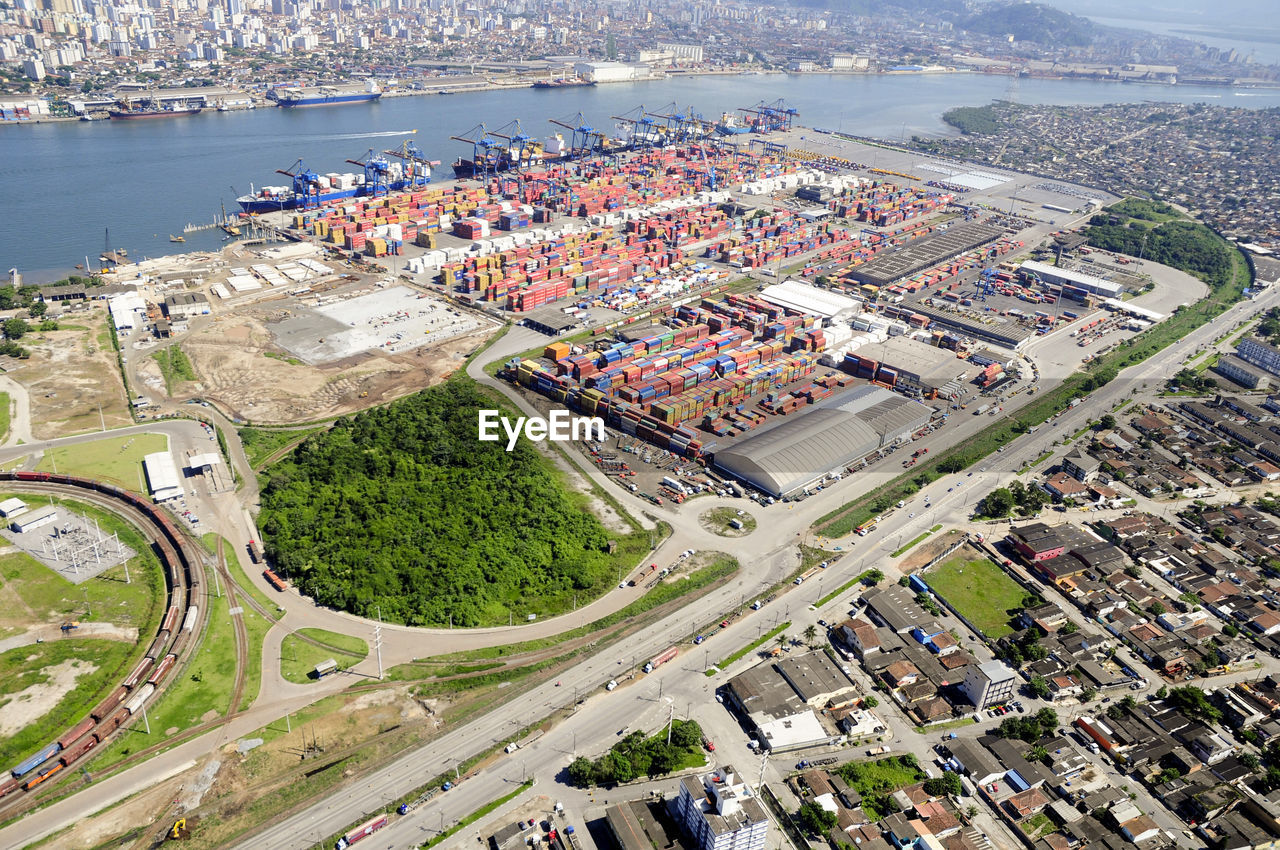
(162, 670)
(171, 619)
(110, 704)
(138, 672)
(78, 749)
(111, 724)
(76, 731)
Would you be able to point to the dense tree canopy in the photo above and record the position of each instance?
(402, 508)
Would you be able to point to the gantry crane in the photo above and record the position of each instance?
(306, 184)
(521, 145)
(768, 117)
(485, 153)
(585, 139)
(645, 132)
(416, 165)
(377, 173)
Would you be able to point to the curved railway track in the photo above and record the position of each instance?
(171, 646)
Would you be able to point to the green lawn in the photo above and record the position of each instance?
(877, 780)
(23, 667)
(338, 641)
(114, 459)
(299, 657)
(260, 443)
(4, 415)
(980, 590)
(49, 599)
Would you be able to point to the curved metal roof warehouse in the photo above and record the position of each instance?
(826, 438)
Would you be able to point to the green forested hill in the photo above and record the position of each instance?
(402, 507)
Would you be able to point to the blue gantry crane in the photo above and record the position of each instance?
(306, 184)
(417, 168)
(521, 146)
(585, 140)
(768, 117)
(645, 131)
(377, 173)
(486, 152)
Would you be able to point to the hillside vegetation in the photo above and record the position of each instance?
(1148, 229)
(402, 508)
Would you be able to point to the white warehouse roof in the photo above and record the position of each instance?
(794, 295)
(162, 476)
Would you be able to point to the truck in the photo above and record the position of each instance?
(361, 832)
(324, 668)
(255, 552)
(660, 659)
(981, 410)
(876, 751)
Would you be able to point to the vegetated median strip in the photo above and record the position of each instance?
(843, 588)
(751, 647)
(902, 549)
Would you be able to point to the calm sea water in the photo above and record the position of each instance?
(67, 183)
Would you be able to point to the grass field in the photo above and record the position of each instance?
(980, 590)
(261, 443)
(22, 667)
(877, 780)
(299, 657)
(114, 459)
(33, 594)
(717, 521)
(4, 415)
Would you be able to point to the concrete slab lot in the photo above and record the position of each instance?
(390, 320)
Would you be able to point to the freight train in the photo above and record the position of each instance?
(182, 576)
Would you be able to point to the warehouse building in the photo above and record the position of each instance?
(920, 367)
(1059, 276)
(551, 321)
(1007, 334)
(1260, 353)
(801, 297)
(825, 439)
(12, 507)
(184, 305)
(162, 476)
(926, 252)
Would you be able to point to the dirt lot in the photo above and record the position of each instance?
(242, 369)
(929, 549)
(70, 373)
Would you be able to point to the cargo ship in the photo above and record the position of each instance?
(563, 82)
(132, 113)
(296, 96)
(309, 189)
(730, 125)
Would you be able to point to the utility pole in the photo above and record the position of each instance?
(377, 641)
(671, 717)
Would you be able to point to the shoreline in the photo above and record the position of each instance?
(525, 82)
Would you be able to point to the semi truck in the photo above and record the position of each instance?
(660, 659)
(361, 832)
(981, 410)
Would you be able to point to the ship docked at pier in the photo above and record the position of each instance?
(391, 171)
(300, 96)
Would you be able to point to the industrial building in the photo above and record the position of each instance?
(551, 321)
(1007, 334)
(803, 298)
(1059, 276)
(925, 252)
(610, 72)
(128, 310)
(184, 305)
(822, 440)
(35, 519)
(777, 700)
(721, 812)
(162, 476)
(12, 507)
(918, 366)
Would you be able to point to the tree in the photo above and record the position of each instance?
(810, 633)
(782, 639)
(1068, 628)
(1039, 687)
(1088, 694)
(873, 577)
(1047, 718)
(1038, 753)
(870, 701)
(1156, 608)
(1107, 422)
(1249, 760)
(15, 328)
(1193, 702)
(582, 772)
(998, 502)
(686, 734)
(815, 819)
(951, 465)
(38, 309)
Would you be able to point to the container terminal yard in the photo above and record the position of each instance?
(752, 315)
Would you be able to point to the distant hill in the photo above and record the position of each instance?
(1031, 22)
